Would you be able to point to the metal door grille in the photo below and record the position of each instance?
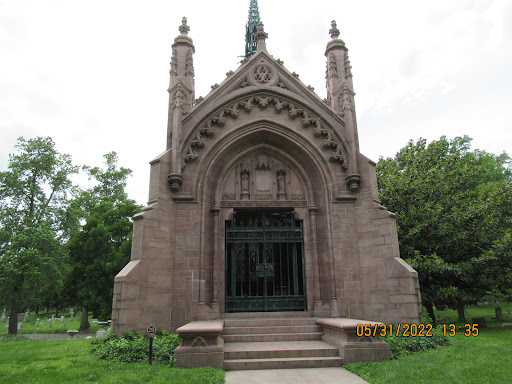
(264, 262)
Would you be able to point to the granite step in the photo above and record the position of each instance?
(269, 322)
(283, 363)
(262, 350)
(277, 341)
(272, 337)
(266, 315)
(273, 329)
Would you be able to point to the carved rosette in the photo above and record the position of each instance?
(262, 73)
(175, 180)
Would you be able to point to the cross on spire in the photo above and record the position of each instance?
(251, 28)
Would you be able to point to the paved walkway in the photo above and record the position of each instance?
(52, 336)
(294, 376)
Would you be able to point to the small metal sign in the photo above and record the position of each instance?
(151, 331)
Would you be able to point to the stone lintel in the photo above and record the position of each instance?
(345, 324)
(212, 326)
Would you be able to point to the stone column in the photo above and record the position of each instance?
(215, 249)
(316, 265)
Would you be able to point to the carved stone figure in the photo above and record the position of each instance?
(262, 162)
(347, 104)
(245, 182)
(281, 184)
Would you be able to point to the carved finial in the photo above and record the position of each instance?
(334, 31)
(184, 28)
(261, 28)
(261, 36)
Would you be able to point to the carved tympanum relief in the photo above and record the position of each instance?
(262, 178)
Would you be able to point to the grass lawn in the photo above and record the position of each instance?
(486, 358)
(70, 361)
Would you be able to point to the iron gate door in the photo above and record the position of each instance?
(264, 262)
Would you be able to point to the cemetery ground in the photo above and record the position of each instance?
(486, 358)
(49, 326)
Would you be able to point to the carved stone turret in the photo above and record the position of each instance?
(340, 96)
(336, 74)
(181, 88)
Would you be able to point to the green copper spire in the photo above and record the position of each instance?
(251, 28)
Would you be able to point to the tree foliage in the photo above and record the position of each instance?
(452, 205)
(101, 248)
(34, 195)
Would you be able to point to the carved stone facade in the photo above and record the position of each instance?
(262, 143)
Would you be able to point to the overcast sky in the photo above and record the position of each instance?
(94, 74)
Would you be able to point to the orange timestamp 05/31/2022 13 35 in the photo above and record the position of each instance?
(422, 330)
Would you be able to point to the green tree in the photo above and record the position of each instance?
(101, 248)
(451, 204)
(34, 194)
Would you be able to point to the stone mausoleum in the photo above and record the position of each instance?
(262, 206)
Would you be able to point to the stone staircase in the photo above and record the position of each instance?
(275, 340)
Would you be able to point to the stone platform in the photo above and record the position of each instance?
(276, 341)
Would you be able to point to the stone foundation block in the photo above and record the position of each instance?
(201, 345)
(342, 333)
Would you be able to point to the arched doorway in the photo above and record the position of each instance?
(264, 262)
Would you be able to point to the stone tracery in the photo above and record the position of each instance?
(208, 129)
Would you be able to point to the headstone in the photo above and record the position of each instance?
(482, 323)
(7, 325)
(20, 326)
(38, 321)
(506, 325)
(25, 319)
(71, 313)
(499, 314)
(62, 318)
(72, 332)
(101, 333)
(3, 315)
(95, 321)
